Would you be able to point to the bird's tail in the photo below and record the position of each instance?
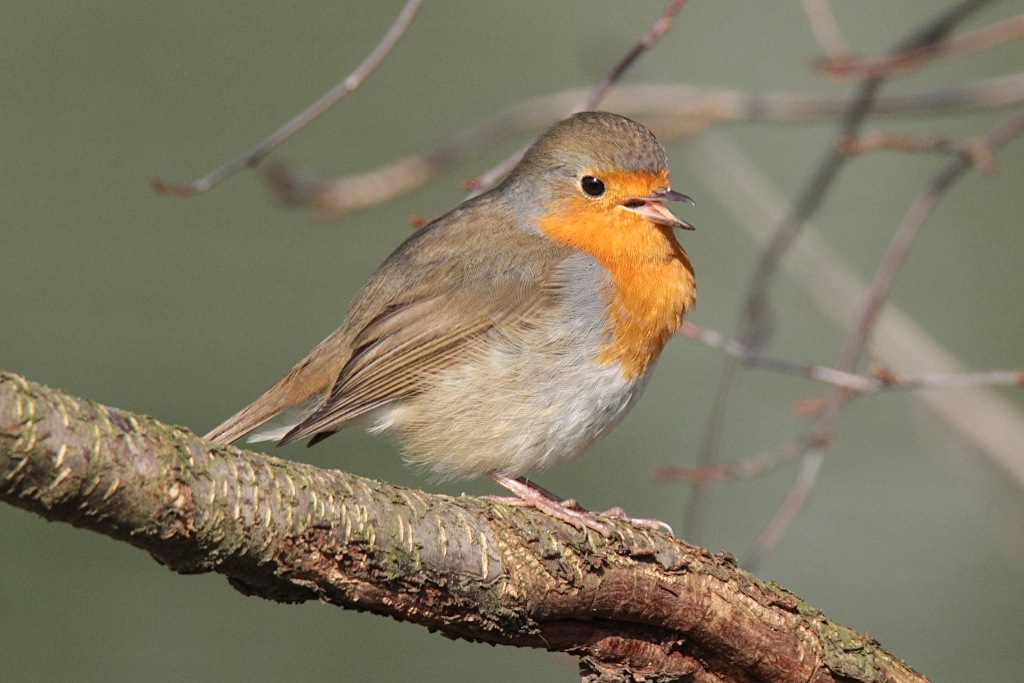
(285, 404)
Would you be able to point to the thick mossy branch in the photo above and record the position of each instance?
(639, 605)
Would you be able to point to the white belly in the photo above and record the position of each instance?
(509, 412)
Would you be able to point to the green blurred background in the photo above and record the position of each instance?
(187, 309)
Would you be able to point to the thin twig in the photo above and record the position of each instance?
(896, 254)
(761, 464)
(848, 69)
(879, 140)
(755, 310)
(953, 380)
(880, 379)
(658, 29)
(795, 501)
(983, 417)
(754, 326)
(857, 341)
(751, 358)
(748, 468)
(711, 442)
(875, 141)
(258, 153)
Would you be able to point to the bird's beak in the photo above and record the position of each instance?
(652, 207)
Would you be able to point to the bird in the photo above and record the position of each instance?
(512, 333)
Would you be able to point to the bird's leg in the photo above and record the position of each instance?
(566, 509)
(534, 496)
(568, 503)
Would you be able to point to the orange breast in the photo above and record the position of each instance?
(651, 273)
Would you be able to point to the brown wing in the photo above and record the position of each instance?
(433, 327)
(427, 304)
(386, 366)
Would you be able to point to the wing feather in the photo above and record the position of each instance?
(432, 320)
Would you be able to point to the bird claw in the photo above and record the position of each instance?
(566, 509)
(655, 524)
(571, 514)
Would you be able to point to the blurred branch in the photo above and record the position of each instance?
(672, 110)
(823, 431)
(641, 606)
(761, 464)
(754, 326)
(980, 155)
(881, 379)
(849, 68)
(258, 153)
(756, 310)
(896, 254)
(979, 414)
(748, 468)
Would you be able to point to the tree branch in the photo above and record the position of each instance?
(848, 68)
(985, 419)
(673, 110)
(640, 605)
(755, 325)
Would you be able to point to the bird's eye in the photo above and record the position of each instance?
(594, 187)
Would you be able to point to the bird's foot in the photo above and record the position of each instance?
(564, 509)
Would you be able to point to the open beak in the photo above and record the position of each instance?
(652, 207)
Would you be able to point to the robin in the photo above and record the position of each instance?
(512, 333)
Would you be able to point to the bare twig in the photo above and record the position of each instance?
(785, 233)
(748, 468)
(761, 464)
(754, 326)
(878, 140)
(950, 380)
(847, 69)
(894, 257)
(980, 155)
(881, 379)
(983, 417)
(674, 110)
(653, 35)
(658, 29)
(258, 153)
(856, 344)
(794, 503)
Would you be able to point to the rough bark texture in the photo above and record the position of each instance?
(639, 606)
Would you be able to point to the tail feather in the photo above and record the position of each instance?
(263, 420)
(275, 428)
(286, 403)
